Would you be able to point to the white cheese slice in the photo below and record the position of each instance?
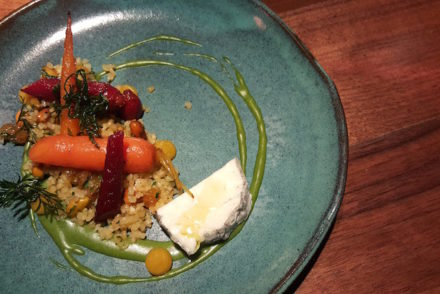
(220, 203)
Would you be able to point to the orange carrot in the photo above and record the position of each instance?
(79, 152)
(69, 126)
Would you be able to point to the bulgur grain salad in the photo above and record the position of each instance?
(77, 189)
(67, 103)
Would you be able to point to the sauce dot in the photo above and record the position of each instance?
(158, 261)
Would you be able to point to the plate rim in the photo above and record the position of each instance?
(329, 216)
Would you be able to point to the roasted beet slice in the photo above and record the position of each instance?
(49, 90)
(44, 89)
(115, 99)
(111, 190)
(133, 106)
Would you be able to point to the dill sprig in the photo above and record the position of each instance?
(27, 190)
(84, 107)
(26, 124)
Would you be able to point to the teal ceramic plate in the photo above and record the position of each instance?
(306, 148)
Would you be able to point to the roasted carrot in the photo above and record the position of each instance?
(69, 126)
(79, 152)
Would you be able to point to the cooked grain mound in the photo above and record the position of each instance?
(79, 189)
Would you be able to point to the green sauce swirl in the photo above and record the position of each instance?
(69, 237)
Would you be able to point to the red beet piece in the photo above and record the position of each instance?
(116, 100)
(48, 90)
(44, 89)
(133, 106)
(111, 190)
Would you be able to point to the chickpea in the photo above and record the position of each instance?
(76, 205)
(137, 129)
(151, 196)
(37, 172)
(38, 207)
(43, 115)
(167, 148)
(158, 261)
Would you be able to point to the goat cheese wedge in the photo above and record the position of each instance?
(220, 203)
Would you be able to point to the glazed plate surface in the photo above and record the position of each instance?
(306, 149)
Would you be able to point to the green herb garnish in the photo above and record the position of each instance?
(27, 125)
(22, 194)
(84, 107)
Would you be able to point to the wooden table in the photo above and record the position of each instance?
(384, 57)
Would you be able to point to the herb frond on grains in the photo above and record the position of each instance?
(84, 107)
(26, 192)
(26, 124)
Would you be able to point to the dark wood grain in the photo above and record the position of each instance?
(384, 57)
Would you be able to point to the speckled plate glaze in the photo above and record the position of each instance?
(307, 140)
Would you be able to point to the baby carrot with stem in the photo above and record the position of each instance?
(79, 152)
(69, 126)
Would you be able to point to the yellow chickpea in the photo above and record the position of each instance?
(43, 115)
(76, 205)
(37, 172)
(38, 205)
(137, 129)
(158, 261)
(167, 148)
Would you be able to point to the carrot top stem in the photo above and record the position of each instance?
(69, 126)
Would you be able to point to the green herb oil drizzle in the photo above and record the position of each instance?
(155, 38)
(69, 237)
